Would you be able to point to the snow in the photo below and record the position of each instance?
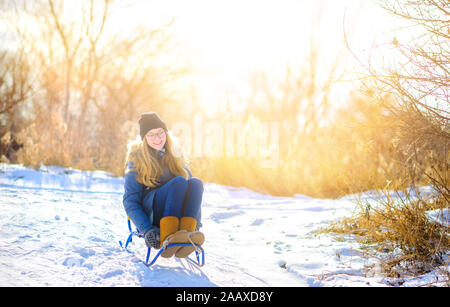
(440, 216)
(61, 227)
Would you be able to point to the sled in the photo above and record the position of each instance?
(199, 252)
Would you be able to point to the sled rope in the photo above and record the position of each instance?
(197, 249)
(167, 240)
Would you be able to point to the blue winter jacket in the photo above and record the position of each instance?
(138, 198)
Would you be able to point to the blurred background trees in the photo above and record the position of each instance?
(414, 90)
(410, 141)
(72, 85)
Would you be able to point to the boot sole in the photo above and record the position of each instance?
(178, 237)
(196, 237)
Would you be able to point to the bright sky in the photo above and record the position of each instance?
(225, 41)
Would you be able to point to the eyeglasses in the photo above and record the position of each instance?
(152, 136)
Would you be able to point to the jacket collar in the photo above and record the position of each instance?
(161, 152)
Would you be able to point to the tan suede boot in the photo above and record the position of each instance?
(169, 233)
(189, 224)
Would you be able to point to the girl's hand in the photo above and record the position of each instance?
(152, 239)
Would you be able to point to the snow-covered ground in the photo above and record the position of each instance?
(61, 227)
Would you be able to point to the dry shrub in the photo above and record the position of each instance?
(48, 140)
(395, 221)
(398, 226)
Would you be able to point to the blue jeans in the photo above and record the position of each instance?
(178, 197)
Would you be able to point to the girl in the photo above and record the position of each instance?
(161, 197)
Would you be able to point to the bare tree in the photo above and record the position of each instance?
(90, 80)
(300, 100)
(414, 89)
(420, 74)
(15, 81)
(15, 89)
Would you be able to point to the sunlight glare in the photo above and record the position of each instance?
(227, 41)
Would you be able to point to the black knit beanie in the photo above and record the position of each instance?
(149, 121)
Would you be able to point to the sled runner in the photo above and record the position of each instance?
(199, 252)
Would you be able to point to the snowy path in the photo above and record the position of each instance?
(63, 229)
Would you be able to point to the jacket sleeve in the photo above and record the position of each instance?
(132, 201)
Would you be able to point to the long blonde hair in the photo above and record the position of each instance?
(145, 160)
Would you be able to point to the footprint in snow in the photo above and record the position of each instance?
(257, 222)
(112, 273)
(217, 216)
